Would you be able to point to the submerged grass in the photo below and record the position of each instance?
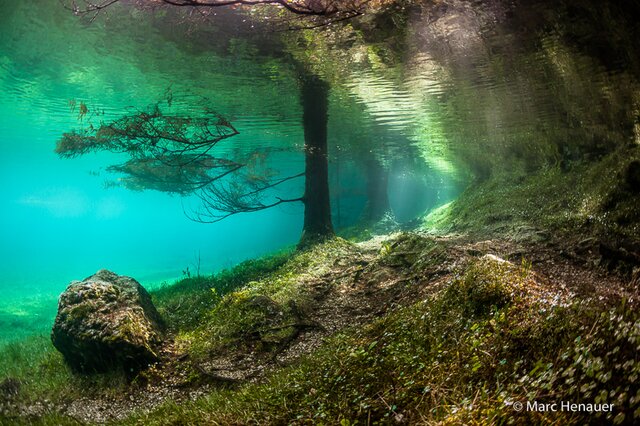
(200, 309)
(34, 379)
(34, 363)
(491, 337)
(184, 303)
(35, 371)
(598, 198)
(463, 356)
(20, 319)
(262, 314)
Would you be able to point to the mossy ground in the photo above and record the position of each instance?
(483, 334)
(404, 328)
(183, 304)
(491, 337)
(586, 200)
(262, 308)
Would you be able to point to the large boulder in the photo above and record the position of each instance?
(105, 322)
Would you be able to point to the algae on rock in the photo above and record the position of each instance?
(106, 322)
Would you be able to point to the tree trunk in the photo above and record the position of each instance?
(377, 177)
(317, 212)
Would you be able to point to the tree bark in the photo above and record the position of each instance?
(317, 213)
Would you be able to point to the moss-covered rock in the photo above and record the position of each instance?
(107, 322)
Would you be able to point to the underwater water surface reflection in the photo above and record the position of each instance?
(62, 220)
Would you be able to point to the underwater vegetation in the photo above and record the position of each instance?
(411, 329)
(403, 212)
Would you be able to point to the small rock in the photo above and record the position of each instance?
(107, 321)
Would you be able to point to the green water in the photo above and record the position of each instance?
(59, 222)
(442, 96)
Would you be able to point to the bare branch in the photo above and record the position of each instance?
(173, 154)
(221, 201)
(212, 213)
(327, 11)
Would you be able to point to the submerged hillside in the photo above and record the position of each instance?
(405, 328)
(516, 302)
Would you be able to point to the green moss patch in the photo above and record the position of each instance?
(267, 313)
(184, 303)
(589, 199)
(463, 356)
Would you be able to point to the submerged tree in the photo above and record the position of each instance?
(246, 194)
(240, 193)
(175, 154)
(317, 215)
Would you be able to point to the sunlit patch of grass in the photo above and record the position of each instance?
(259, 312)
(590, 198)
(184, 303)
(356, 233)
(438, 218)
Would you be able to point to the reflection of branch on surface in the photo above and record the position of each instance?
(329, 11)
(167, 153)
(172, 177)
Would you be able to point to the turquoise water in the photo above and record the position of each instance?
(60, 220)
(439, 97)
